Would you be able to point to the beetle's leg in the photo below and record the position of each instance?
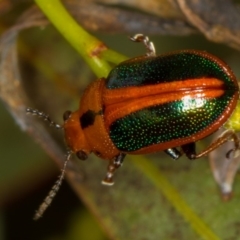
(224, 137)
(112, 167)
(145, 40)
(173, 153)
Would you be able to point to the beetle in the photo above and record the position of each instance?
(153, 103)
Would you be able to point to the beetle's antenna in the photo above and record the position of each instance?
(44, 116)
(47, 201)
(145, 40)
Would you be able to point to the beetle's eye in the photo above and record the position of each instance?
(81, 155)
(66, 115)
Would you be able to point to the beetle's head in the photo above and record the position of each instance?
(74, 135)
(76, 141)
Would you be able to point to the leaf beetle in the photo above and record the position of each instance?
(149, 104)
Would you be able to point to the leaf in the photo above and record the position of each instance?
(224, 168)
(136, 207)
(218, 20)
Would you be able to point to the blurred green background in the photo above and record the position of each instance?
(26, 172)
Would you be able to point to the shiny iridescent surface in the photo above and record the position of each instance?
(184, 117)
(177, 66)
(159, 124)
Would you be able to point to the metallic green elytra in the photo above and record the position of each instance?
(175, 66)
(165, 122)
(172, 100)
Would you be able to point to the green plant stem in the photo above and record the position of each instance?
(88, 46)
(112, 56)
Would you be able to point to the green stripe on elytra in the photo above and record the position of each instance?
(166, 122)
(165, 68)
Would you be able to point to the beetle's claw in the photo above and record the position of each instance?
(108, 180)
(234, 152)
(228, 154)
(145, 40)
(113, 165)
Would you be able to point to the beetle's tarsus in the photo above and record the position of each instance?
(145, 40)
(108, 180)
(112, 167)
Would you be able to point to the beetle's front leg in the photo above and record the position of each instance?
(114, 164)
(189, 149)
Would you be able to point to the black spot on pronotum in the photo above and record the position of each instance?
(88, 118)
